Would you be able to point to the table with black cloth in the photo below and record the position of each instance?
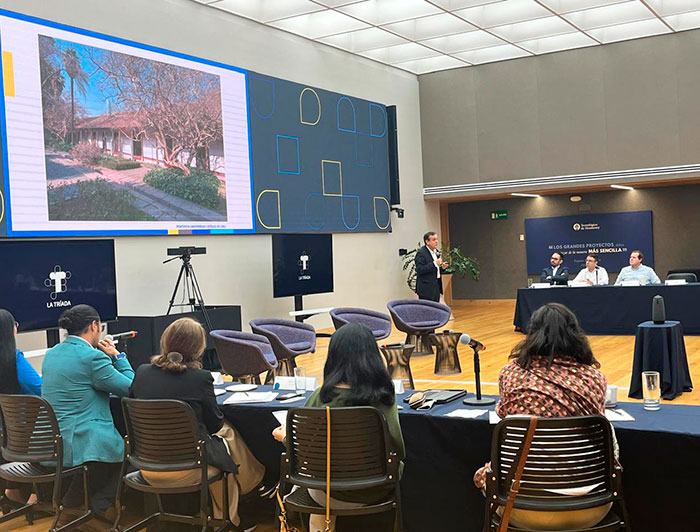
(658, 451)
(613, 309)
(660, 347)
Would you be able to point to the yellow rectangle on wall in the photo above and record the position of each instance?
(173, 231)
(8, 74)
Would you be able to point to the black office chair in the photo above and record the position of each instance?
(566, 454)
(163, 435)
(31, 435)
(362, 457)
(688, 277)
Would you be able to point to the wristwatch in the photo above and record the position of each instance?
(120, 356)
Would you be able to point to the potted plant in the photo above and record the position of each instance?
(457, 262)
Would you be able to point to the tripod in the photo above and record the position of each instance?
(191, 289)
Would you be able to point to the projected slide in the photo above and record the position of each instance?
(104, 136)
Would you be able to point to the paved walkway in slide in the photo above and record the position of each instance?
(61, 171)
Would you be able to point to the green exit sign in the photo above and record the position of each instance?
(499, 215)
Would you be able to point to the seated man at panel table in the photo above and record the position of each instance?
(592, 273)
(556, 273)
(636, 271)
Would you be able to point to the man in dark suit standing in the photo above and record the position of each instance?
(556, 273)
(429, 266)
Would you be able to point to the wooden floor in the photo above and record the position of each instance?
(491, 322)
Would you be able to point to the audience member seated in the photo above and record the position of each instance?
(553, 373)
(79, 374)
(354, 375)
(17, 376)
(176, 374)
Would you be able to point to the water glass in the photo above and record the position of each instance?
(300, 379)
(651, 389)
(611, 395)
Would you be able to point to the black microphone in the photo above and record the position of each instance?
(474, 344)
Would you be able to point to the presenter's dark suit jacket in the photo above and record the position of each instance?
(428, 286)
(196, 388)
(562, 276)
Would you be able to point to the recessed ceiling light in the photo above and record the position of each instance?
(524, 195)
(622, 187)
(576, 198)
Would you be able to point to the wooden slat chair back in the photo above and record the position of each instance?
(570, 466)
(361, 457)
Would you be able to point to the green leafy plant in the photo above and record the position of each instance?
(199, 187)
(117, 163)
(94, 199)
(457, 262)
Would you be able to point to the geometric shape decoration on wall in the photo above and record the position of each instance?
(377, 120)
(332, 178)
(381, 212)
(309, 107)
(350, 215)
(268, 209)
(288, 160)
(315, 210)
(345, 114)
(262, 96)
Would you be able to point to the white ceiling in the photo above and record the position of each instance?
(423, 36)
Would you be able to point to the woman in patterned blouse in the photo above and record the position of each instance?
(553, 373)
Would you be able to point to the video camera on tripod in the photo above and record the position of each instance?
(192, 295)
(185, 251)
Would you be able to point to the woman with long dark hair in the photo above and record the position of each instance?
(16, 376)
(354, 375)
(552, 373)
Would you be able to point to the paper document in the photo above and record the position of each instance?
(493, 417)
(250, 397)
(466, 413)
(219, 391)
(616, 414)
(281, 416)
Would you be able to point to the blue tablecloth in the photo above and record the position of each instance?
(660, 347)
(614, 309)
(659, 452)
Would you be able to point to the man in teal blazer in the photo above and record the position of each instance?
(78, 376)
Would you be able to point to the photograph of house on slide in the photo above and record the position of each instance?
(128, 138)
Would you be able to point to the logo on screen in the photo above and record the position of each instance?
(304, 262)
(577, 227)
(58, 280)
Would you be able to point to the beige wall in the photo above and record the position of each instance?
(496, 243)
(238, 269)
(620, 106)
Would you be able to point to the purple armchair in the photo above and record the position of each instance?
(289, 339)
(378, 323)
(244, 356)
(418, 318)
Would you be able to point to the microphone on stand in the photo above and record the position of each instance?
(477, 346)
(474, 344)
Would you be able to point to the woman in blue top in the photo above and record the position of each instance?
(16, 376)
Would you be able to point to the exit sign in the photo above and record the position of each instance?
(499, 215)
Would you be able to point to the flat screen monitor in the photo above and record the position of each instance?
(42, 278)
(302, 264)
